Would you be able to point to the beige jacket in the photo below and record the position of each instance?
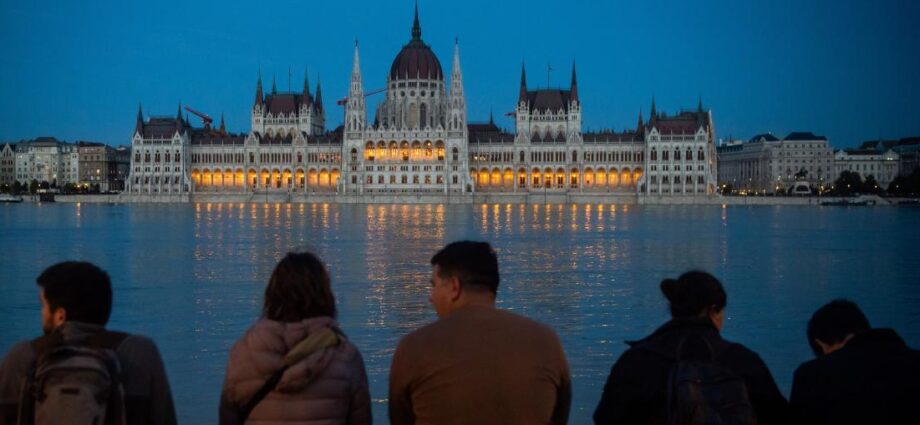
(327, 387)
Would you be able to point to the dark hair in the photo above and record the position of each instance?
(298, 289)
(693, 293)
(474, 263)
(82, 289)
(833, 322)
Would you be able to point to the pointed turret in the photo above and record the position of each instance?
(259, 90)
(139, 125)
(416, 28)
(457, 98)
(319, 96)
(306, 87)
(654, 111)
(522, 96)
(274, 87)
(223, 128)
(641, 126)
(355, 112)
(699, 106)
(179, 123)
(574, 86)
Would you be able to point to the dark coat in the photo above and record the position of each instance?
(874, 378)
(636, 390)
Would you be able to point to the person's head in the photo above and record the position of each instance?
(74, 291)
(298, 289)
(696, 294)
(832, 326)
(463, 272)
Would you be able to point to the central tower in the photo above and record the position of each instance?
(416, 95)
(418, 142)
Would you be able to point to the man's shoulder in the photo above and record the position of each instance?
(19, 356)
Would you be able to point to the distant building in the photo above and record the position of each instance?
(882, 166)
(47, 160)
(908, 150)
(7, 163)
(97, 166)
(766, 164)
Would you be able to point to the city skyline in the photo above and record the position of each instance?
(845, 72)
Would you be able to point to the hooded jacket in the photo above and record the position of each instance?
(327, 387)
(636, 390)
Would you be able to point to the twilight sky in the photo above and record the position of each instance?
(850, 70)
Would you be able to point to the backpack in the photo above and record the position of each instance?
(74, 382)
(701, 392)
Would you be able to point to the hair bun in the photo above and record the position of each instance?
(669, 289)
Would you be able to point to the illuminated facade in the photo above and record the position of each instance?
(420, 143)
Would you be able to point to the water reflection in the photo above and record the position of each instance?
(193, 276)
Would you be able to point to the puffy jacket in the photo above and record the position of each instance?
(327, 387)
(636, 390)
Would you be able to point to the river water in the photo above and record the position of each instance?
(192, 276)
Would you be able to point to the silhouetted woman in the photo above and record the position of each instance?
(324, 382)
(649, 385)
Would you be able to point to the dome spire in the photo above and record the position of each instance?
(416, 28)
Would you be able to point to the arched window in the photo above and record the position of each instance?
(522, 156)
(455, 154)
(664, 155)
(423, 115)
(699, 155)
(654, 155)
(574, 156)
(677, 154)
(354, 155)
(167, 156)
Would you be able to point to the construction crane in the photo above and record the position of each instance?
(344, 100)
(205, 118)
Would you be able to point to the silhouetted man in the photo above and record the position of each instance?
(477, 364)
(76, 301)
(860, 376)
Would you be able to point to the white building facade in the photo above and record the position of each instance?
(766, 164)
(46, 160)
(882, 166)
(421, 143)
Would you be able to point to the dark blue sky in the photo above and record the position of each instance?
(849, 70)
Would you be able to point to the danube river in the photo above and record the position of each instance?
(192, 276)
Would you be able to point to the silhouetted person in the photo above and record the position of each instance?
(637, 389)
(325, 385)
(78, 355)
(860, 376)
(477, 364)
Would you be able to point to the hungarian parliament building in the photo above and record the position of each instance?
(421, 143)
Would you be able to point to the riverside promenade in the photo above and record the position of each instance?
(476, 198)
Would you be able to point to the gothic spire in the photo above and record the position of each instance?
(139, 126)
(223, 128)
(640, 127)
(416, 28)
(306, 86)
(259, 89)
(574, 86)
(699, 106)
(523, 94)
(654, 113)
(319, 95)
(274, 86)
(179, 123)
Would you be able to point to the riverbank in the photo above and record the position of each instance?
(479, 198)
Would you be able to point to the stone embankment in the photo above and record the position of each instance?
(478, 198)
